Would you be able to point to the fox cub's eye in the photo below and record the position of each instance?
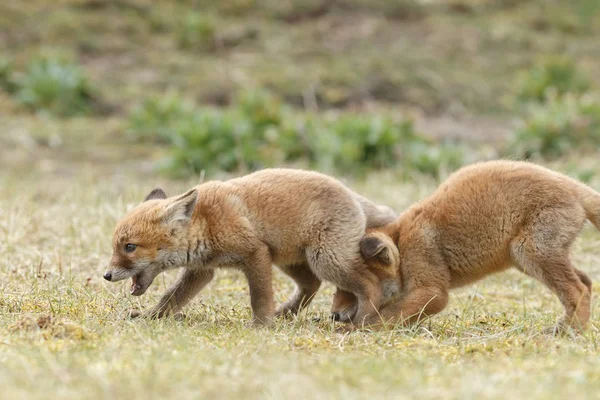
(130, 247)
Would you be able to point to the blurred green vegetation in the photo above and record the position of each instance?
(559, 125)
(557, 74)
(561, 115)
(332, 85)
(258, 131)
(197, 31)
(50, 85)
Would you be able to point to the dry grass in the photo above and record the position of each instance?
(62, 328)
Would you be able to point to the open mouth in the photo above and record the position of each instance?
(136, 289)
(141, 281)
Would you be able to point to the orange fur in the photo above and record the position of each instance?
(483, 219)
(307, 223)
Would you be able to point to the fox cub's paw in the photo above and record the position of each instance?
(179, 316)
(346, 328)
(560, 330)
(263, 322)
(285, 311)
(132, 314)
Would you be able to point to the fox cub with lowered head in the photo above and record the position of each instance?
(306, 223)
(483, 219)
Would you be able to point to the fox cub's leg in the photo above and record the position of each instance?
(348, 272)
(307, 285)
(334, 255)
(257, 269)
(367, 289)
(585, 279)
(189, 282)
(557, 273)
(573, 294)
(542, 251)
(418, 304)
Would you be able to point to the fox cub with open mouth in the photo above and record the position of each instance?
(483, 219)
(306, 223)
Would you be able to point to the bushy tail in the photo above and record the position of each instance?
(590, 200)
(376, 215)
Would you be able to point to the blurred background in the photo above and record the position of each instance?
(187, 88)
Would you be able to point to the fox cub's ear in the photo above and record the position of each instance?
(372, 247)
(182, 207)
(156, 194)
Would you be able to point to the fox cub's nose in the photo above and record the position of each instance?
(336, 316)
(108, 276)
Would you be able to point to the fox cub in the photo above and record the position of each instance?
(306, 223)
(483, 219)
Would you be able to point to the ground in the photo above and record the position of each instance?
(63, 328)
(64, 182)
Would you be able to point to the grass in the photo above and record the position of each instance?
(62, 328)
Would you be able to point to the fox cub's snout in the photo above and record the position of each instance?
(144, 240)
(382, 258)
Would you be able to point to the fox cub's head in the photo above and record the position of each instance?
(148, 240)
(382, 258)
